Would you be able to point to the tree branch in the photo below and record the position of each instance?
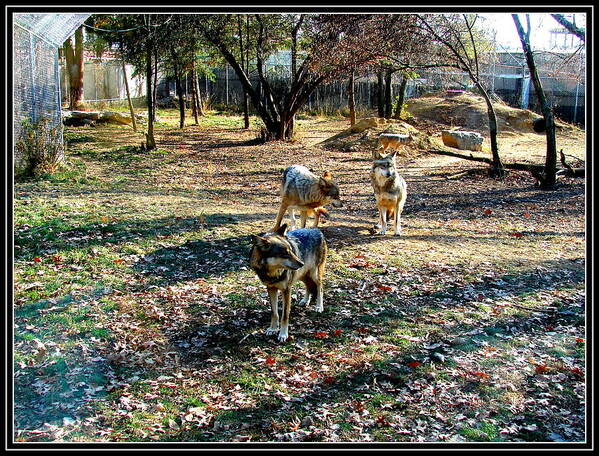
(572, 28)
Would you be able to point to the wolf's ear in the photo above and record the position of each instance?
(392, 154)
(324, 183)
(327, 176)
(259, 241)
(281, 230)
(376, 155)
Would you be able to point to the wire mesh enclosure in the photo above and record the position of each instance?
(36, 79)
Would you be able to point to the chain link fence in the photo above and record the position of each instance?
(36, 78)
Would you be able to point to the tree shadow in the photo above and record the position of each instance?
(235, 337)
(56, 233)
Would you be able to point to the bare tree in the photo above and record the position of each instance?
(548, 178)
(328, 47)
(458, 35)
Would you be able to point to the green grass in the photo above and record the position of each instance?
(126, 255)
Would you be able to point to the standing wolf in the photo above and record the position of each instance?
(390, 190)
(305, 191)
(281, 260)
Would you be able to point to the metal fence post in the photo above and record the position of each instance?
(32, 78)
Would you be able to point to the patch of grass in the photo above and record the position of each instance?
(485, 432)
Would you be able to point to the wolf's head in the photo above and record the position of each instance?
(275, 251)
(329, 188)
(384, 166)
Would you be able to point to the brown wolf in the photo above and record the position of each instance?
(392, 140)
(390, 190)
(281, 260)
(305, 191)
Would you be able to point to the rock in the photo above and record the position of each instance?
(80, 118)
(364, 124)
(114, 117)
(464, 140)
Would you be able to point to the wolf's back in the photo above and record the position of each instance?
(298, 181)
(310, 243)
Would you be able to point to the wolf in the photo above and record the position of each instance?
(305, 191)
(280, 260)
(390, 190)
(318, 213)
(392, 140)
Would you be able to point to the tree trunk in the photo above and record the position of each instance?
(194, 96)
(199, 97)
(380, 94)
(150, 141)
(388, 94)
(155, 90)
(242, 54)
(179, 90)
(400, 98)
(351, 102)
(549, 179)
(133, 121)
(74, 64)
(497, 168)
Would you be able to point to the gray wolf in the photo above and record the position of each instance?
(392, 140)
(280, 260)
(390, 190)
(305, 191)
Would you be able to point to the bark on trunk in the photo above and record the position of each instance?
(199, 97)
(380, 93)
(497, 168)
(400, 98)
(179, 90)
(150, 141)
(351, 102)
(155, 89)
(131, 111)
(74, 64)
(388, 94)
(194, 97)
(242, 54)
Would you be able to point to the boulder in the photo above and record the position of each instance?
(464, 140)
(80, 118)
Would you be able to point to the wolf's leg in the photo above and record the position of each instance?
(383, 214)
(292, 217)
(273, 296)
(311, 289)
(398, 211)
(280, 215)
(319, 287)
(316, 219)
(303, 218)
(284, 331)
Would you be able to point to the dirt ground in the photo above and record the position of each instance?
(470, 326)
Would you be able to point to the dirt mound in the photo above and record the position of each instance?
(430, 114)
(469, 111)
(364, 134)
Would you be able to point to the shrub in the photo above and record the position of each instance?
(40, 147)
